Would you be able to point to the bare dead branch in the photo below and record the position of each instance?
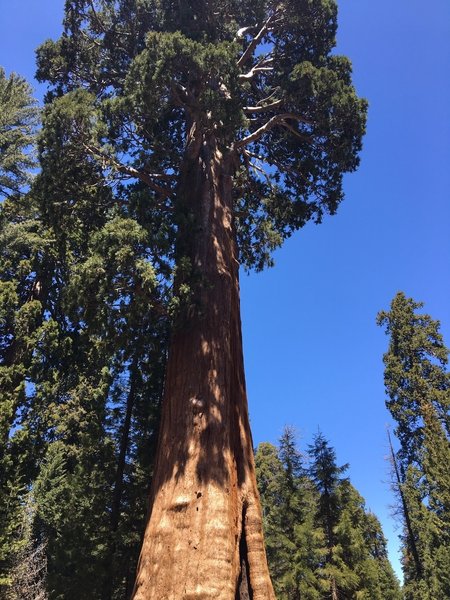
(263, 108)
(242, 31)
(248, 52)
(270, 124)
(262, 65)
(252, 73)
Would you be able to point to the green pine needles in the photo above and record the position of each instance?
(418, 388)
(18, 121)
(90, 251)
(321, 541)
(259, 75)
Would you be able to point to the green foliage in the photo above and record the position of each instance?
(320, 539)
(418, 388)
(89, 256)
(153, 69)
(415, 374)
(72, 515)
(28, 573)
(18, 121)
(11, 518)
(288, 499)
(83, 335)
(172, 59)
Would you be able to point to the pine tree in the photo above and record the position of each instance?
(270, 477)
(360, 554)
(83, 341)
(106, 412)
(377, 575)
(300, 511)
(18, 121)
(326, 476)
(18, 309)
(355, 559)
(288, 498)
(418, 388)
(22, 239)
(236, 123)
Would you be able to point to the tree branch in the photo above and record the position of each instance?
(251, 73)
(265, 175)
(270, 124)
(146, 178)
(97, 18)
(295, 132)
(248, 52)
(261, 65)
(260, 109)
(130, 171)
(242, 31)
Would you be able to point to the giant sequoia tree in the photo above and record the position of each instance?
(235, 122)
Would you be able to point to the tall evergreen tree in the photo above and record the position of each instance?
(360, 553)
(233, 123)
(418, 388)
(326, 476)
(19, 312)
(83, 341)
(18, 121)
(299, 511)
(293, 542)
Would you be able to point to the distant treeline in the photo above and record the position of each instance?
(321, 541)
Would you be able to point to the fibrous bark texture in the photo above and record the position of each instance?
(204, 536)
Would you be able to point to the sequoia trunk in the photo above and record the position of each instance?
(204, 537)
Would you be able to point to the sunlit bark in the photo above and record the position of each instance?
(204, 536)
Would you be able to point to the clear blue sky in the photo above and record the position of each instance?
(313, 352)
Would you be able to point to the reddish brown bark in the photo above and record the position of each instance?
(204, 536)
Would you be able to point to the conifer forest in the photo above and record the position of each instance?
(177, 147)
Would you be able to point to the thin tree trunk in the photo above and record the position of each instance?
(204, 537)
(334, 591)
(118, 486)
(411, 538)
